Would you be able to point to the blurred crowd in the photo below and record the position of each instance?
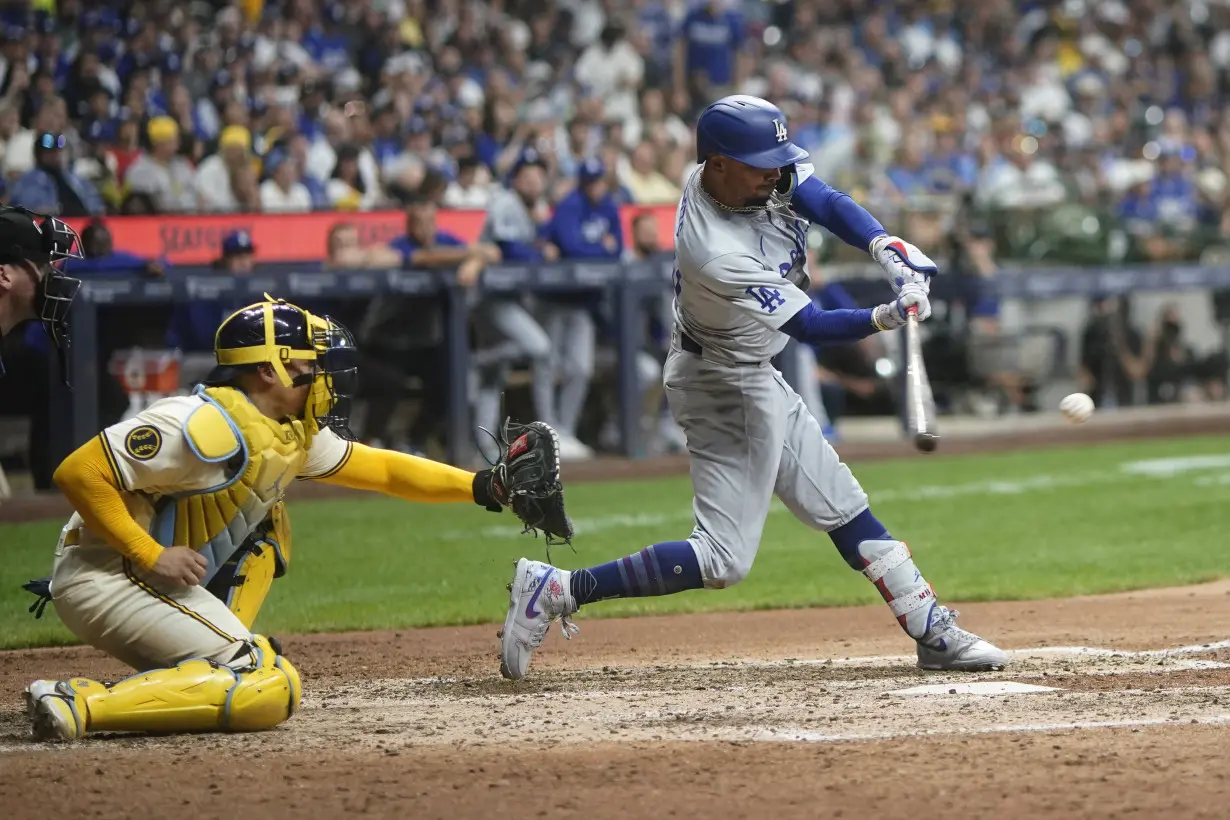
(1112, 106)
(1053, 130)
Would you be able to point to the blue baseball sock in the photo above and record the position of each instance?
(863, 527)
(662, 569)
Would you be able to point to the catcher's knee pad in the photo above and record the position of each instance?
(243, 581)
(196, 696)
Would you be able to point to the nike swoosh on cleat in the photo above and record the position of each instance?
(542, 584)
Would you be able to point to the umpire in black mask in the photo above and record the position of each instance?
(33, 249)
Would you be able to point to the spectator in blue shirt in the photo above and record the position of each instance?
(193, 324)
(385, 142)
(1173, 194)
(425, 246)
(102, 259)
(98, 123)
(328, 46)
(707, 54)
(50, 188)
(586, 222)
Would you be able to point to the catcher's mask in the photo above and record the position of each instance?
(42, 246)
(273, 332)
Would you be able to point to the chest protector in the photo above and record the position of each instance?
(259, 458)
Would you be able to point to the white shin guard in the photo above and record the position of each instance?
(890, 566)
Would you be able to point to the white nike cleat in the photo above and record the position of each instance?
(538, 595)
(52, 710)
(948, 647)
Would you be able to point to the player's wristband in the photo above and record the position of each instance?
(885, 317)
(485, 491)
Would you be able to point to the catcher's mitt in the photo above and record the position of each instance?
(527, 478)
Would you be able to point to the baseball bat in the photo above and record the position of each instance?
(920, 403)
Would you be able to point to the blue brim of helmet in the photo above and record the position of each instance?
(776, 157)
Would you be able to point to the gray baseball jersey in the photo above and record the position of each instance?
(739, 275)
(508, 220)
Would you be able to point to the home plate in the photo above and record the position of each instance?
(978, 688)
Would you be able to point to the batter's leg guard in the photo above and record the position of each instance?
(942, 645)
(890, 566)
(257, 691)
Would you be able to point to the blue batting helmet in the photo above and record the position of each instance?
(748, 129)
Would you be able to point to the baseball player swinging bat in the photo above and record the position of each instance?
(920, 403)
(740, 284)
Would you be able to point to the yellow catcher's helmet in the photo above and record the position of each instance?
(273, 332)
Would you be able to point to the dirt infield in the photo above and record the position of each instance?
(1115, 706)
(795, 714)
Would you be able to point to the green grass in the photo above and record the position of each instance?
(1030, 524)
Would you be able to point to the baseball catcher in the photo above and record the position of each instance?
(180, 529)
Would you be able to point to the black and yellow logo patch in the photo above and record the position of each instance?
(143, 443)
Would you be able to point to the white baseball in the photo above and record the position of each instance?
(1077, 407)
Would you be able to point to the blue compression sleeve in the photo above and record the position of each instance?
(833, 296)
(814, 326)
(662, 569)
(816, 201)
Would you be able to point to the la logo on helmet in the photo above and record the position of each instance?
(781, 130)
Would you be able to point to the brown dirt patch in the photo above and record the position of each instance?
(725, 715)
(1112, 774)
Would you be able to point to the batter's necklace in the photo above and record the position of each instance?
(774, 203)
(746, 209)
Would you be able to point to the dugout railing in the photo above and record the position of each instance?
(75, 414)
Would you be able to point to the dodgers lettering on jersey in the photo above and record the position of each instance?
(739, 276)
